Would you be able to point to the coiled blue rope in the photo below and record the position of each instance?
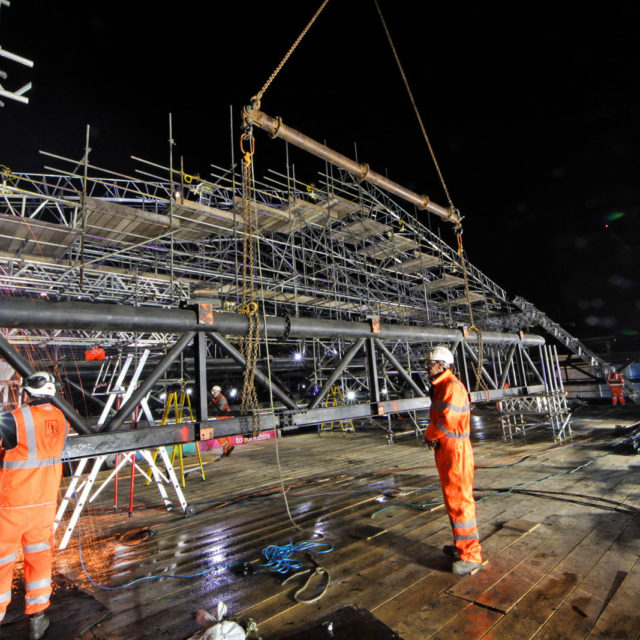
(279, 558)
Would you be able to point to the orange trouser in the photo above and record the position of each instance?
(616, 394)
(455, 468)
(31, 527)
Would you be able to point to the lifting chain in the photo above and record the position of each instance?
(255, 101)
(248, 304)
(480, 383)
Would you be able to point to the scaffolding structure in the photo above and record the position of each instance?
(332, 253)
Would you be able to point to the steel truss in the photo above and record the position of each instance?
(384, 361)
(328, 255)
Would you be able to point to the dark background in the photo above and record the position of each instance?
(533, 112)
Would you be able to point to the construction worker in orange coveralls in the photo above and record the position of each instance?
(616, 384)
(448, 434)
(32, 438)
(221, 404)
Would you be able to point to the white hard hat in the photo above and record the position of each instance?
(40, 384)
(216, 388)
(442, 354)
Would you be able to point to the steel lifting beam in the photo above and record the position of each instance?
(276, 129)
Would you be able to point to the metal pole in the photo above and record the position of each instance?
(27, 313)
(372, 371)
(487, 377)
(277, 129)
(393, 360)
(505, 371)
(336, 373)
(259, 376)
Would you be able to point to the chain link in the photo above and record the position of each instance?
(248, 306)
(258, 97)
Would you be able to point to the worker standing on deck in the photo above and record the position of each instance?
(222, 406)
(616, 384)
(448, 434)
(32, 438)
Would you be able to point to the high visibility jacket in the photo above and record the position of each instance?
(614, 379)
(29, 481)
(449, 425)
(221, 404)
(30, 473)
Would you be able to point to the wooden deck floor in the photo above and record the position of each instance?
(562, 548)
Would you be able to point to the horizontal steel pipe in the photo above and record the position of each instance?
(277, 129)
(26, 313)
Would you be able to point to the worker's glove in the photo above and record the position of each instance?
(433, 444)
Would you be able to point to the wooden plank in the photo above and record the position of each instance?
(621, 617)
(496, 545)
(545, 598)
(471, 623)
(533, 611)
(574, 618)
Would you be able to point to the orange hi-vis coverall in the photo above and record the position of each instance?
(30, 477)
(616, 384)
(223, 407)
(449, 425)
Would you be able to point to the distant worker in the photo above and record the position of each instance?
(32, 438)
(616, 384)
(221, 404)
(448, 434)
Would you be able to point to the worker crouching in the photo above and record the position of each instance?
(448, 434)
(32, 438)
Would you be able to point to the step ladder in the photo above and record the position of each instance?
(79, 492)
(573, 344)
(179, 400)
(334, 399)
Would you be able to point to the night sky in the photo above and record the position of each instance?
(533, 112)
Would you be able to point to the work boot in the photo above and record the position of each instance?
(227, 452)
(38, 624)
(452, 551)
(464, 568)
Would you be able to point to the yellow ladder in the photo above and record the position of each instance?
(181, 403)
(334, 399)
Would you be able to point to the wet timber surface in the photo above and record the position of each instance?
(559, 525)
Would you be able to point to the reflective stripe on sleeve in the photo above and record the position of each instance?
(10, 558)
(451, 434)
(35, 548)
(440, 406)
